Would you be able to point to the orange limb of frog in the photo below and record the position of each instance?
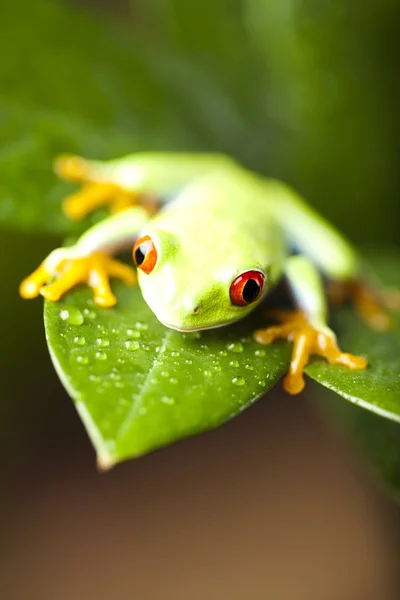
(307, 341)
(94, 270)
(372, 305)
(95, 192)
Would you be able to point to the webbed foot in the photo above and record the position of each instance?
(97, 190)
(307, 340)
(94, 270)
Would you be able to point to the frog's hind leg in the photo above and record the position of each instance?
(98, 188)
(372, 304)
(307, 340)
(307, 327)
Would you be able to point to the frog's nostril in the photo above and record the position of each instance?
(196, 309)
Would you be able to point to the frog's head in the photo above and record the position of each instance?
(190, 288)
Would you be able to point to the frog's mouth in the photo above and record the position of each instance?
(204, 328)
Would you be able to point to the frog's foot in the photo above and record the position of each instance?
(94, 270)
(372, 305)
(96, 191)
(307, 340)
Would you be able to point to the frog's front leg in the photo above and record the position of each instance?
(89, 261)
(307, 327)
(143, 178)
(100, 187)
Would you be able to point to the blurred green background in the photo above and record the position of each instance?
(303, 90)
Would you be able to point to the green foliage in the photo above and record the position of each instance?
(289, 90)
(70, 84)
(376, 437)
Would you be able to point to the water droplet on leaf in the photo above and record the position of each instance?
(168, 400)
(71, 315)
(132, 345)
(239, 381)
(235, 347)
(82, 359)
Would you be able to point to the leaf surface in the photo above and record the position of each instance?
(138, 385)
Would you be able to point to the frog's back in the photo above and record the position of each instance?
(227, 214)
(229, 195)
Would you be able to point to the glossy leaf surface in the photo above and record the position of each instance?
(139, 386)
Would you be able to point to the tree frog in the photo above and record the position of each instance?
(223, 238)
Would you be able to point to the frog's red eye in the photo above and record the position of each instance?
(145, 254)
(246, 288)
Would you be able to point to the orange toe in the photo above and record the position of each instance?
(307, 341)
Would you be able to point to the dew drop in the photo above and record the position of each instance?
(174, 381)
(95, 378)
(239, 381)
(168, 400)
(133, 333)
(175, 353)
(164, 374)
(223, 353)
(79, 341)
(82, 359)
(207, 373)
(234, 363)
(262, 383)
(89, 314)
(101, 356)
(189, 361)
(71, 315)
(249, 367)
(142, 326)
(235, 347)
(132, 345)
(217, 368)
(259, 352)
(103, 342)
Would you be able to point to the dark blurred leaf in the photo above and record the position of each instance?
(376, 437)
(69, 83)
(139, 386)
(378, 387)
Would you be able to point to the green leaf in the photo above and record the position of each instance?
(378, 387)
(138, 385)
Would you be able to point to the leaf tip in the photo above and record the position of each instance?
(104, 463)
